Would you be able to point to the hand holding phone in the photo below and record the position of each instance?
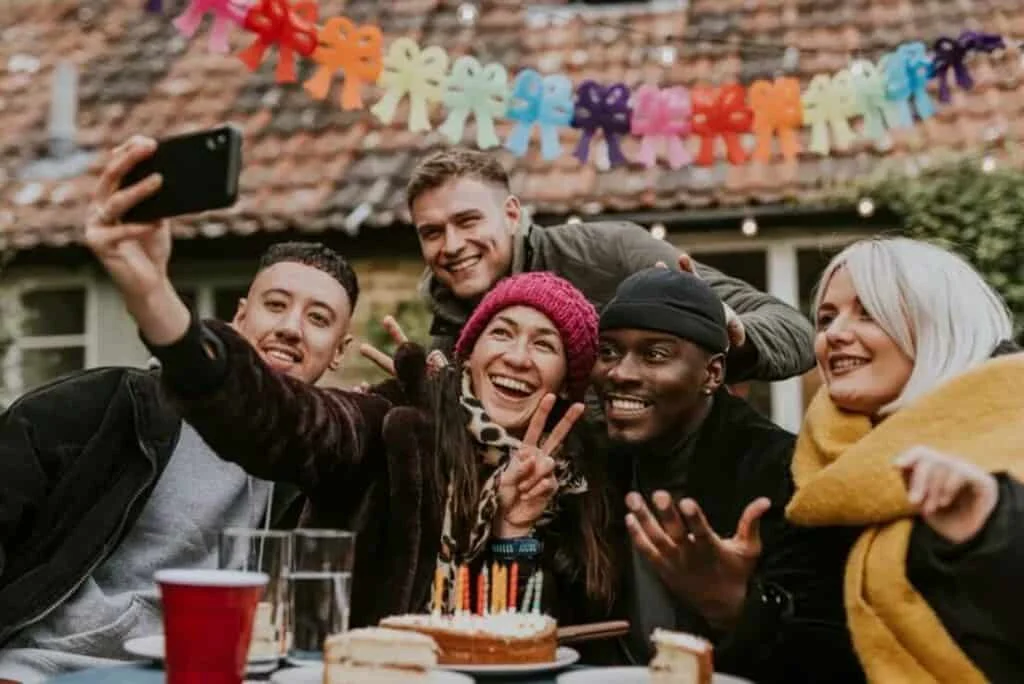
(199, 173)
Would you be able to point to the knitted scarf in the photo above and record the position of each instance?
(844, 476)
(494, 447)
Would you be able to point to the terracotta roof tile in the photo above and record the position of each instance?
(311, 166)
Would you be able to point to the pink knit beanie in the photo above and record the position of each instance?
(573, 316)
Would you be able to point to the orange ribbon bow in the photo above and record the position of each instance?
(354, 51)
(292, 27)
(720, 112)
(778, 111)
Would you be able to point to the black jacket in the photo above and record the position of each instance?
(793, 628)
(79, 459)
(974, 587)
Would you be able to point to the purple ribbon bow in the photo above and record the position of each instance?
(952, 54)
(155, 6)
(601, 108)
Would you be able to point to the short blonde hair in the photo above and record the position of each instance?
(931, 302)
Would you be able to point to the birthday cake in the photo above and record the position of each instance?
(373, 655)
(468, 639)
(681, 658)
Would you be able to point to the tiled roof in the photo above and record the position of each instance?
(309, 165)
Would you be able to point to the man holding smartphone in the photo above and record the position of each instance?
(101, 483)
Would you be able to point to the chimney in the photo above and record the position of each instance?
(63, 110)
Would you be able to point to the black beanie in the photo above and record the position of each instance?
(669, 301)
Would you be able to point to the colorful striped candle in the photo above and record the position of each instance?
(485, 595)
(513, 587)
(494, 588)
(438, 590)
(467, 604)
(528, 594)
(539, 592)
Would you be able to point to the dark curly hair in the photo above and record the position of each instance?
(319, 256)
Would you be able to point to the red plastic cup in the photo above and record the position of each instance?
(208, 616)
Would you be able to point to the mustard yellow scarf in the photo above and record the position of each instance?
(844, 476)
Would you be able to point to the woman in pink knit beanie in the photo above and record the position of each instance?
(507, 404)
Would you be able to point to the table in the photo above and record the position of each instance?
(149, 674)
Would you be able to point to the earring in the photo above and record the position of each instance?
(706, 391)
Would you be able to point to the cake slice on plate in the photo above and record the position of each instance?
(681, 658)
(374, 655)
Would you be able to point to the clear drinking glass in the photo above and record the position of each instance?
(269, 552)
(320, 587)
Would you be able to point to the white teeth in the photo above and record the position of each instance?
(628, 405)
(283, 356)
(463, 264)
(511, 383)
(846, 364)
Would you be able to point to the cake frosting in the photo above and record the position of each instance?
(503, 638)
(376, 655)
(681, 658)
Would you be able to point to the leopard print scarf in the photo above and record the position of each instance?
(494, 447)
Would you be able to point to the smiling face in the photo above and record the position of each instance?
(518, 359)
(297, 318)
(863, 368)
(652, 384)
(465, 229)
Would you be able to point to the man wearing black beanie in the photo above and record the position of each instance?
(708, 480)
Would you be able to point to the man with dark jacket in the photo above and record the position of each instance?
(716, 556)
(101, 483)
(472, 233)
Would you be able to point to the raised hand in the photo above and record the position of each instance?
(528, 484)
(384, 360)
(955, 497)
(699, 567)
(135, 254)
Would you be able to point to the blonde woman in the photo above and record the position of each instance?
(917, 436)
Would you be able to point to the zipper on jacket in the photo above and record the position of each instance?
(107, 549)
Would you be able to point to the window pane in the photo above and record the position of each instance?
(53, 312)
(225, 301)
(810, 264)
(42, 365)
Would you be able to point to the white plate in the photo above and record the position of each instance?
(152, 648)
(564, 657)
(314, 674)
(628, 675)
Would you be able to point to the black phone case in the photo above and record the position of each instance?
(200, 172)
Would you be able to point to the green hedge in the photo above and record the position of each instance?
(959, 205)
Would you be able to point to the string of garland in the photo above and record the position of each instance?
(890, 93)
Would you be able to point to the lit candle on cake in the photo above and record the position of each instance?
(480, 592)
(467, 605)
(438, 590)
(528, 594)
(495, 581)
(513, 587)
(485, 595)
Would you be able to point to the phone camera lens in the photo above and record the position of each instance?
(221, 139)
(210, 144)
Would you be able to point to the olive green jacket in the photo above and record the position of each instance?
(596, 257)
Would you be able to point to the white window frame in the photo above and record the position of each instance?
(14, 383)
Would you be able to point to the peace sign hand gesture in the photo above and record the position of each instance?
(529, 483)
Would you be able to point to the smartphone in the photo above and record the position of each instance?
(200, 172)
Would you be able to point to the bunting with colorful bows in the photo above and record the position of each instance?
(641, 123)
